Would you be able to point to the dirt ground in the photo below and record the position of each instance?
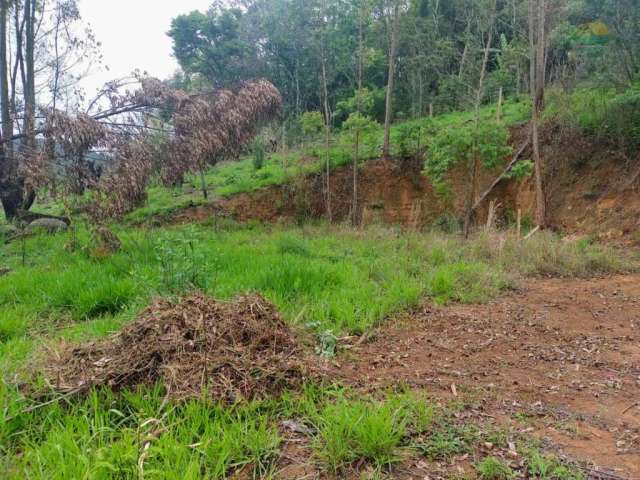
(559, 360)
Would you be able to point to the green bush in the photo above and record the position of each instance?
(493, 469)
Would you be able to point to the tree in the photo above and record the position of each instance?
(392, 19)
(356, 126)
(132, 146)
(537, 71)
(214, 45)
(488, 30)
(39, 67)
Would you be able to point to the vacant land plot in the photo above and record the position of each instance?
(379, 401)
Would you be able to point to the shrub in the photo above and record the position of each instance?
(258, 153)
(368, 430)
(493, 469)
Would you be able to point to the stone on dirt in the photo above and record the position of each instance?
(49, 225)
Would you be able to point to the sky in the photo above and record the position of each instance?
(133, 34)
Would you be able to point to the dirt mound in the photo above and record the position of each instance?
(235, 350)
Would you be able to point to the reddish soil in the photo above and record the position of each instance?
(559, 360)
(592, 189)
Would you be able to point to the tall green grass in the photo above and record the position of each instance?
(325, 278)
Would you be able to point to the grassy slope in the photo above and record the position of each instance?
(241, 177)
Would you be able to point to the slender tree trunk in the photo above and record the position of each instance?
(475, 170)
(10, 191)
(420, 94)
(203, 184)
(19, 26)
(327, 120)
(29, 87)
(7, 126)
(386, 149)
(356, 153)
(537, 82)
(327, 139)
(463, 58)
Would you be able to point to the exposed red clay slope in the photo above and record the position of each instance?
(592, 189)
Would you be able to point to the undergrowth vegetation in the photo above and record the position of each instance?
(278, 168)
(138, 434)
(326, 278)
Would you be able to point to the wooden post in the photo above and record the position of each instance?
(491, 217)
(431, 110)
(519, 224)
(499, 110)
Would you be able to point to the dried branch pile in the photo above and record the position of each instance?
(233, 351)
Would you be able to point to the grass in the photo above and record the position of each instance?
(606, 113)
(368, 430)
(138, 434)
(326, 278)
(330, 279)
(492, 468)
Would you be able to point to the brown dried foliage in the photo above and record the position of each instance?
(211, 128)
(232, 351)
(198, 130)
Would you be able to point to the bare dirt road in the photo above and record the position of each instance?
(559, 359)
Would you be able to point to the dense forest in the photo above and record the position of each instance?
(434, 49)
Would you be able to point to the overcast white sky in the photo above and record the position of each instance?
(133, 35)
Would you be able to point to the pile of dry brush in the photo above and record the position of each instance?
(231, 350)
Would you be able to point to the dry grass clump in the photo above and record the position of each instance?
(231, 350)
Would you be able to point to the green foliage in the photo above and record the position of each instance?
(548, 467)
(312, 123)
(368, 430)
(493, 469)
(259, 151)
(100, 438)
(182, 267)
(444, 446)
(488, 142)
(369, 103)
(407, 139)
(521, 170)
(211, 46)
(608, 114)
(332, 278)
(327, 344)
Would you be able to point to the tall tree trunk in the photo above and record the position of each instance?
(463, 58)
(356, 153)
(327, 139)
(386, 149)
(7, 126)
(327, 119)
(29, 87)
(10, 191)
(475, 170)
(537, 44)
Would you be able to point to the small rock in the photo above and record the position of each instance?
(49, 225)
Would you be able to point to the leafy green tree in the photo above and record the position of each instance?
(214, 46)
(461, 147)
